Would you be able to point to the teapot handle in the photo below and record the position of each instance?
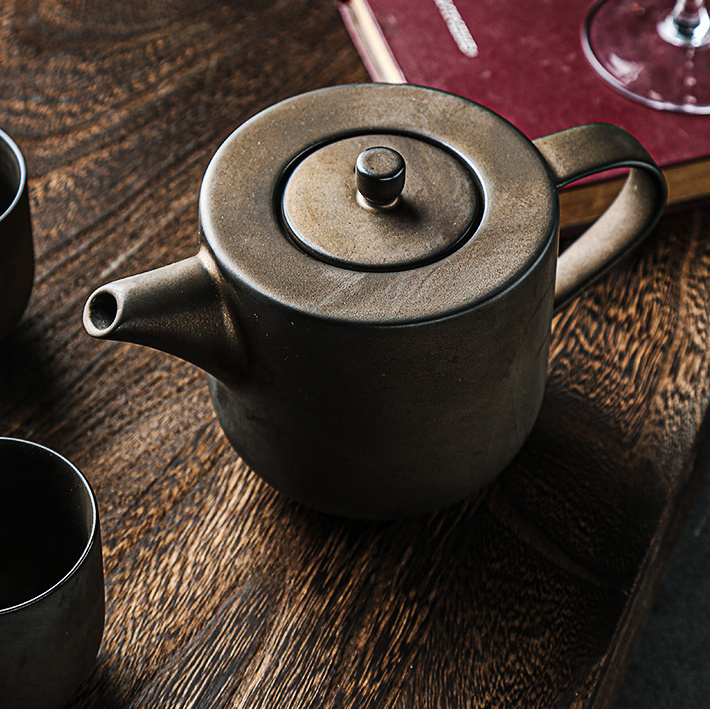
(584, 150)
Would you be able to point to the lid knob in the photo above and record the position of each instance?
(380, 174)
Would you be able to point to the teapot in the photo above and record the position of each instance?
(374, 287)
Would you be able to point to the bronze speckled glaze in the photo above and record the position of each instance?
(374, 288)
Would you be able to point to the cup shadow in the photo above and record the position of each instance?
(27, 382)
(99, 691)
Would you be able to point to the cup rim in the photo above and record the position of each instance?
(23, 173)
(92, 533)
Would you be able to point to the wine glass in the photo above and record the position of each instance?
(651, 52)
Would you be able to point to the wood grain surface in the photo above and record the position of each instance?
(221, 592)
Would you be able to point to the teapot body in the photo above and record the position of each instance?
(374, 289)
(387, 421)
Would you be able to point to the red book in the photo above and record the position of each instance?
(526, 62)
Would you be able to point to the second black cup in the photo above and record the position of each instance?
(51, 577)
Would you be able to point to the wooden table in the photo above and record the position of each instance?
(221, 592)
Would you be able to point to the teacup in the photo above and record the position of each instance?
(16, 252)
(51, 577)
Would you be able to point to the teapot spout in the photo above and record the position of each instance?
(177, 309)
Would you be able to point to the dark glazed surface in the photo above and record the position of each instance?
(395, 421)
(51, 587)
(44, 528)
(16, 250)
(222, 593)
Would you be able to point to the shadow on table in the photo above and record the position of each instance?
(97, 691)
(25, 369)
(671, 667)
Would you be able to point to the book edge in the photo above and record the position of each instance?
(370, 42)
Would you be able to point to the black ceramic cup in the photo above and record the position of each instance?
(16, 252)
(51, 577)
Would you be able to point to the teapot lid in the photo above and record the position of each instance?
(377, 203)
(380, 202)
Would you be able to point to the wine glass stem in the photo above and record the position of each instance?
(688, 24)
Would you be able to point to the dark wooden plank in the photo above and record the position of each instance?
(222, 593)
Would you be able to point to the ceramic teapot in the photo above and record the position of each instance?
(374, 288)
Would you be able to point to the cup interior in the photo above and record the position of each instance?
(47, 518)
(10, 173)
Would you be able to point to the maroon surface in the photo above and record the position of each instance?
(530, 68)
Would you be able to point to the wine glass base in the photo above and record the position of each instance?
(623, 42)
